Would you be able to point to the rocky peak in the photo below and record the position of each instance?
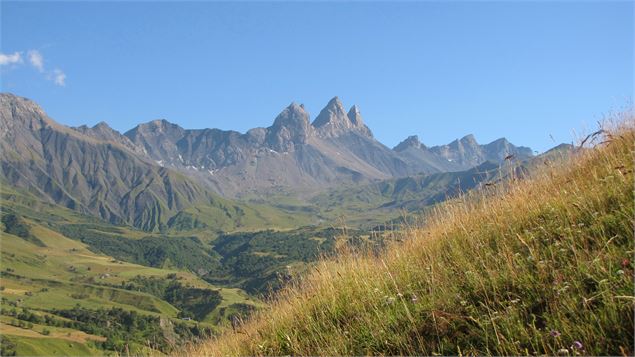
(100, 130)
(159, 125)
(468, 140)
(293, 116)
(105, 129)
(332, 115)
(502, 148)
(155, 128)
(101, 124)
(355, 116)
(410, 142)
(334, 121)
(17, 111)
(291, 127)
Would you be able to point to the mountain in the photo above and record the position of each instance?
(418, 155)
(102, 131)
(160, 175)
(300, 157)
(467, 152)
(459, 155)
(334, 121)
(292, 154)
(96, 171)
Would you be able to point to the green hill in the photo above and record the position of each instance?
(540, 266)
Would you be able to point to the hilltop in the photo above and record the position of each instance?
(538, 266)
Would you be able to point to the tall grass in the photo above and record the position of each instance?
(540, 266)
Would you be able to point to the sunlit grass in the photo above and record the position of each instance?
(542, 265)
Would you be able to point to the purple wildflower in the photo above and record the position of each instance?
(577, 345)
(555, 333)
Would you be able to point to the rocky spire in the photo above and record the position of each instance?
(355, 117)
(334, 121)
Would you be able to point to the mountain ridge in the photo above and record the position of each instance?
(94, 176)
(155, 171)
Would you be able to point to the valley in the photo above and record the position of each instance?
(169, 236)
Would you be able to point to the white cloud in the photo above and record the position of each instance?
(36, 59)
(6, 59)
(59, 77)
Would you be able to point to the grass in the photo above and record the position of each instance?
(38, 346)
(538, 266)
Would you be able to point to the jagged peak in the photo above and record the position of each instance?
(24, 103)
(355, 116)
(159, 124)
(333, 120)
(154, 127)
(102, 125)
(21, 111)
(469, 138)
(296, 107)
(411, 141)
(499, 141)
(290, 127)
(292, 114)
(333, 114)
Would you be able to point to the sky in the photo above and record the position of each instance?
(534, 72)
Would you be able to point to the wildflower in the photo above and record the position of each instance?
(388, 300)
(626, 263)
(620, 272)
(555, 333)
(414, 299)
(577, 345)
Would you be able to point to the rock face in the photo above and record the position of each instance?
(102, 131)
(292, 155)
(410, 142)
(290, 129)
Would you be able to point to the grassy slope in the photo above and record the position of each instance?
(39, 346)
(530, 270)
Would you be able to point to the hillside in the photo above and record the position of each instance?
(540, 266)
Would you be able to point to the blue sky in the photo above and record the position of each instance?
(524, 70)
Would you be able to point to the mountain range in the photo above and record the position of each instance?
(149, 176)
